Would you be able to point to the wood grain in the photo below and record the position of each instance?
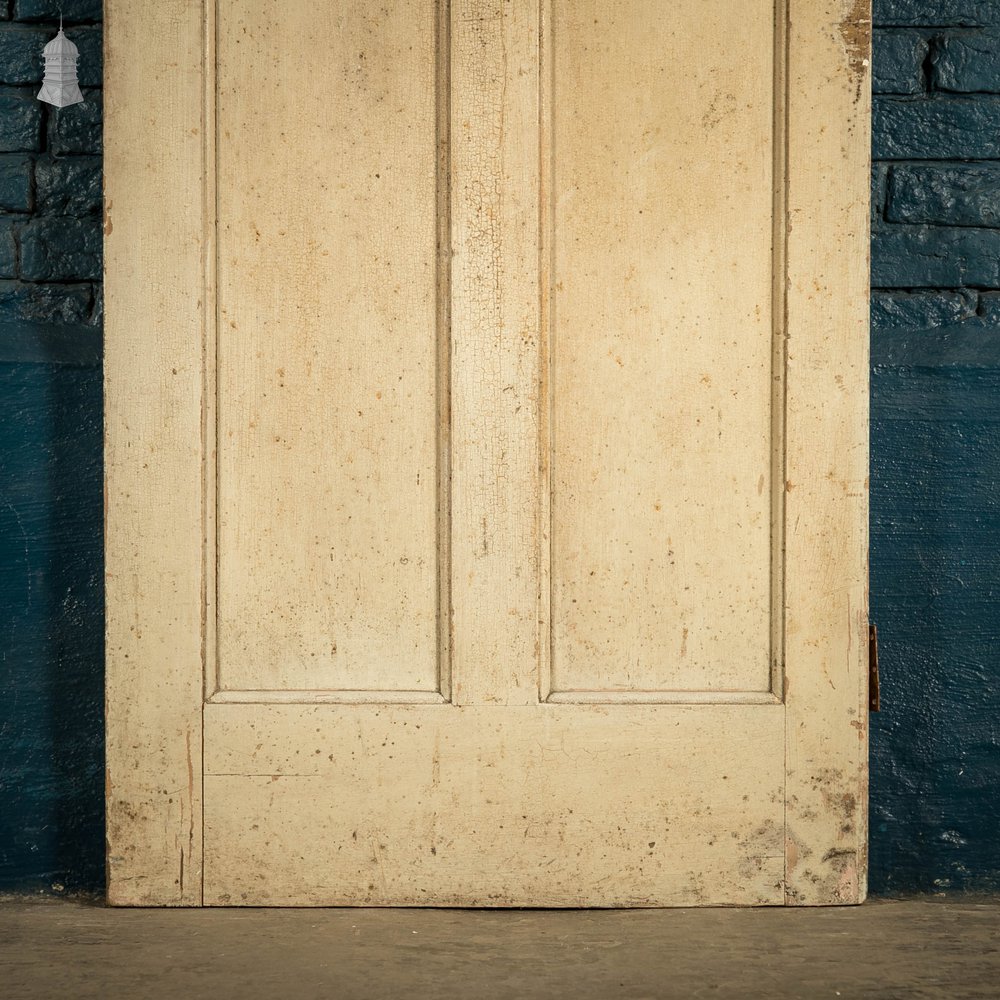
(826, 498)
(155, 252)
(495, 362)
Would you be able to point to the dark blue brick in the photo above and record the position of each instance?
(936, 12)
(8, 248)
(878, 191)
(68, 185)
(49, 10)
(936, 329)
(21, 53)
(940, 128)
(921, 310)
(935, 257)
(989, 308)
(61, 249)
(947, 194)
(77, 129)
(21, 302)
(15, 183)
(898, 62)
(968, 62)
(90, 68)
(20, 122)
(97, 312)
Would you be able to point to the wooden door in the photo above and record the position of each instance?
(487, 452)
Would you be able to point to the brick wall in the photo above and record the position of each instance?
(936, 444)
(50, 169)
(51, 569)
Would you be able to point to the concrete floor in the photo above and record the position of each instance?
(885, 949)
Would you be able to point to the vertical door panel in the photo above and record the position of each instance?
(328, 344)
(662, 152)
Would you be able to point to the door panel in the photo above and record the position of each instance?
(486, 452)
(661, 340)
(327, 346)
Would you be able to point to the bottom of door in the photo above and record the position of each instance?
(546, 805)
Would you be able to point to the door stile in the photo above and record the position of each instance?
(826, 489)
(155, 248)
(495, 352)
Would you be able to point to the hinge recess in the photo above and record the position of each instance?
(874, 696)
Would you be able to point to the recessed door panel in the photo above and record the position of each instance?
(661, 272)
(328, 345)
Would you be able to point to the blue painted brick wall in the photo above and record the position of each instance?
(51, 572)
(56, 237)
(935, 440)
(935, 560)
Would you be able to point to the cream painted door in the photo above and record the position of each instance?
(487, 452)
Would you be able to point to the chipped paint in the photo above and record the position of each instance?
(856, 34)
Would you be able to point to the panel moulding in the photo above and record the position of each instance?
(775, 689)
(215, 690)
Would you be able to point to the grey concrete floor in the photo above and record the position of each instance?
(885, 949)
